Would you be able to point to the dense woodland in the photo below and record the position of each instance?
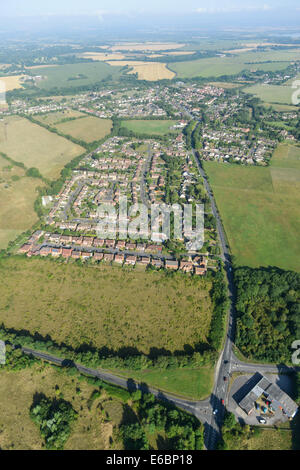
(268, 313)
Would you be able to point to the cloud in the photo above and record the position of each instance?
(236, 9)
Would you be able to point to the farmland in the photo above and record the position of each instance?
(260, 209)
(146, 46)
(105, 306)
(34, 146)
(151, 71)
(75, 75)
(12, 82)
(216, 67)
(58, 117)
(155, 127)
(88, 129)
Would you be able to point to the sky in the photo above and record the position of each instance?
(103, 8)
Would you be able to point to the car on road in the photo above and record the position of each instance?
(225, 379)
(262, 420)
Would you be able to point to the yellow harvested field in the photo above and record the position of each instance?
(12, 82)
(152, 71)
(101, 56)
(146, 46)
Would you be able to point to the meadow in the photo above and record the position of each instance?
(105, 306)
(271, 93)
(88, 129)
(70, 76)
(155, 127)
(34, 146)
(260, 208)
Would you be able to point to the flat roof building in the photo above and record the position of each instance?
(277, 397)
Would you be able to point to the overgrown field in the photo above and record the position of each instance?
(88, 129)
(34, 146)
(155, 127)
(71, 76)
(17, 430)
(260, 208)
(105, 306)
(17, 196)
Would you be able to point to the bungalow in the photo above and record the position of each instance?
(119, 258)
(45, 250)
(153, 249)
(76, 254)
(130, 246)
(25, 248)
(158, 263)
(145, 260)
(186, 266)
(98, 242)
(87, 241)
(200, 271)
(110, 243)
(86, 254)
(171, 264)
(130, 260)
(108, 257)
(65, 239)
(98, 256)
(140, 246)
(120, 244)
(77, 240)
(56, 251)
(66, 252)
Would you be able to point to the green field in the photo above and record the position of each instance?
(219, 66)
(155, 127)
(271, 93)
(105, 306)
(71, 76)
(34, 146)
(260, 208)
(88, 129)
(196, 384)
